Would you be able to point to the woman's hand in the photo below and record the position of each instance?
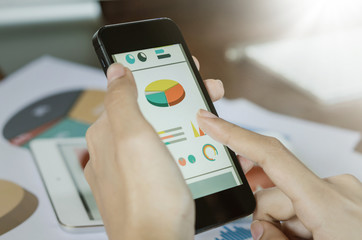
(139, 189)
(302, 205)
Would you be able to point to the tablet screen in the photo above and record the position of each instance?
(75, 157)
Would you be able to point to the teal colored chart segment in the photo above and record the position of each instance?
(66, 128)
(158, 99)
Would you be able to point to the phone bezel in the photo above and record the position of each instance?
(226, 205)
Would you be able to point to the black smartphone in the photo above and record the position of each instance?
(170, 92)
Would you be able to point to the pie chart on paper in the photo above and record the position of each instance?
(164, 93)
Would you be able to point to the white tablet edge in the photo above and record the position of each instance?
(64, 196)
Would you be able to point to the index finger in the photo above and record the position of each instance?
(282, 167)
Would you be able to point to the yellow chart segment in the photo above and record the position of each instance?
(161, 85)
(199, 133)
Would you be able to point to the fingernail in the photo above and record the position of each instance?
(220, 82)
(256, 229)
(204, 113)
(115, 71)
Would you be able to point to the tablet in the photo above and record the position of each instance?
(61, 162)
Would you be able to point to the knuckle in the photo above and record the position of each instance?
(275, 147)
(273, 142)
(349, 178)
(260, 206)
(99, 126)
(230, 134)
(259, 195)
(91, 139)
(264, 195)
(91, 136)
(88, 172)
(89, 133)
(262, 199)
(272, 147)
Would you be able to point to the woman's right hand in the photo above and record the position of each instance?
(302, 205)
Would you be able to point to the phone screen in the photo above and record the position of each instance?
(169, 97)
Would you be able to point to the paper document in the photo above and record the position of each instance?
(41, 79)
(31, 90)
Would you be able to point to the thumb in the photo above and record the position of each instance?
(121, 100)
(263, 230)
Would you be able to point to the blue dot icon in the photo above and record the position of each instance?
(130, 59)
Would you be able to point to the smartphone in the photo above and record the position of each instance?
(170, 92)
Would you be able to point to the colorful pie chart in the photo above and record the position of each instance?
(64, 114)
(164, 93)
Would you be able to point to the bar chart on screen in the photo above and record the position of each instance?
(237, 230)
(172, 135)
(234, 234)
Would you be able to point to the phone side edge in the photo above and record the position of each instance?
(100, 51)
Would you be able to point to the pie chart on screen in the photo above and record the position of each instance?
(164, 93)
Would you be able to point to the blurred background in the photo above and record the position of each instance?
(300, 58)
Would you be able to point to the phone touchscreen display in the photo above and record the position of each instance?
(169, 96)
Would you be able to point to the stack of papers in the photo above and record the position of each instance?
(326, 150)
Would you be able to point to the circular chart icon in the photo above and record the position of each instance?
(210, 152)
(142, 57)
(164, 93)
(191, 158)
(182, 161)
(130, 59)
